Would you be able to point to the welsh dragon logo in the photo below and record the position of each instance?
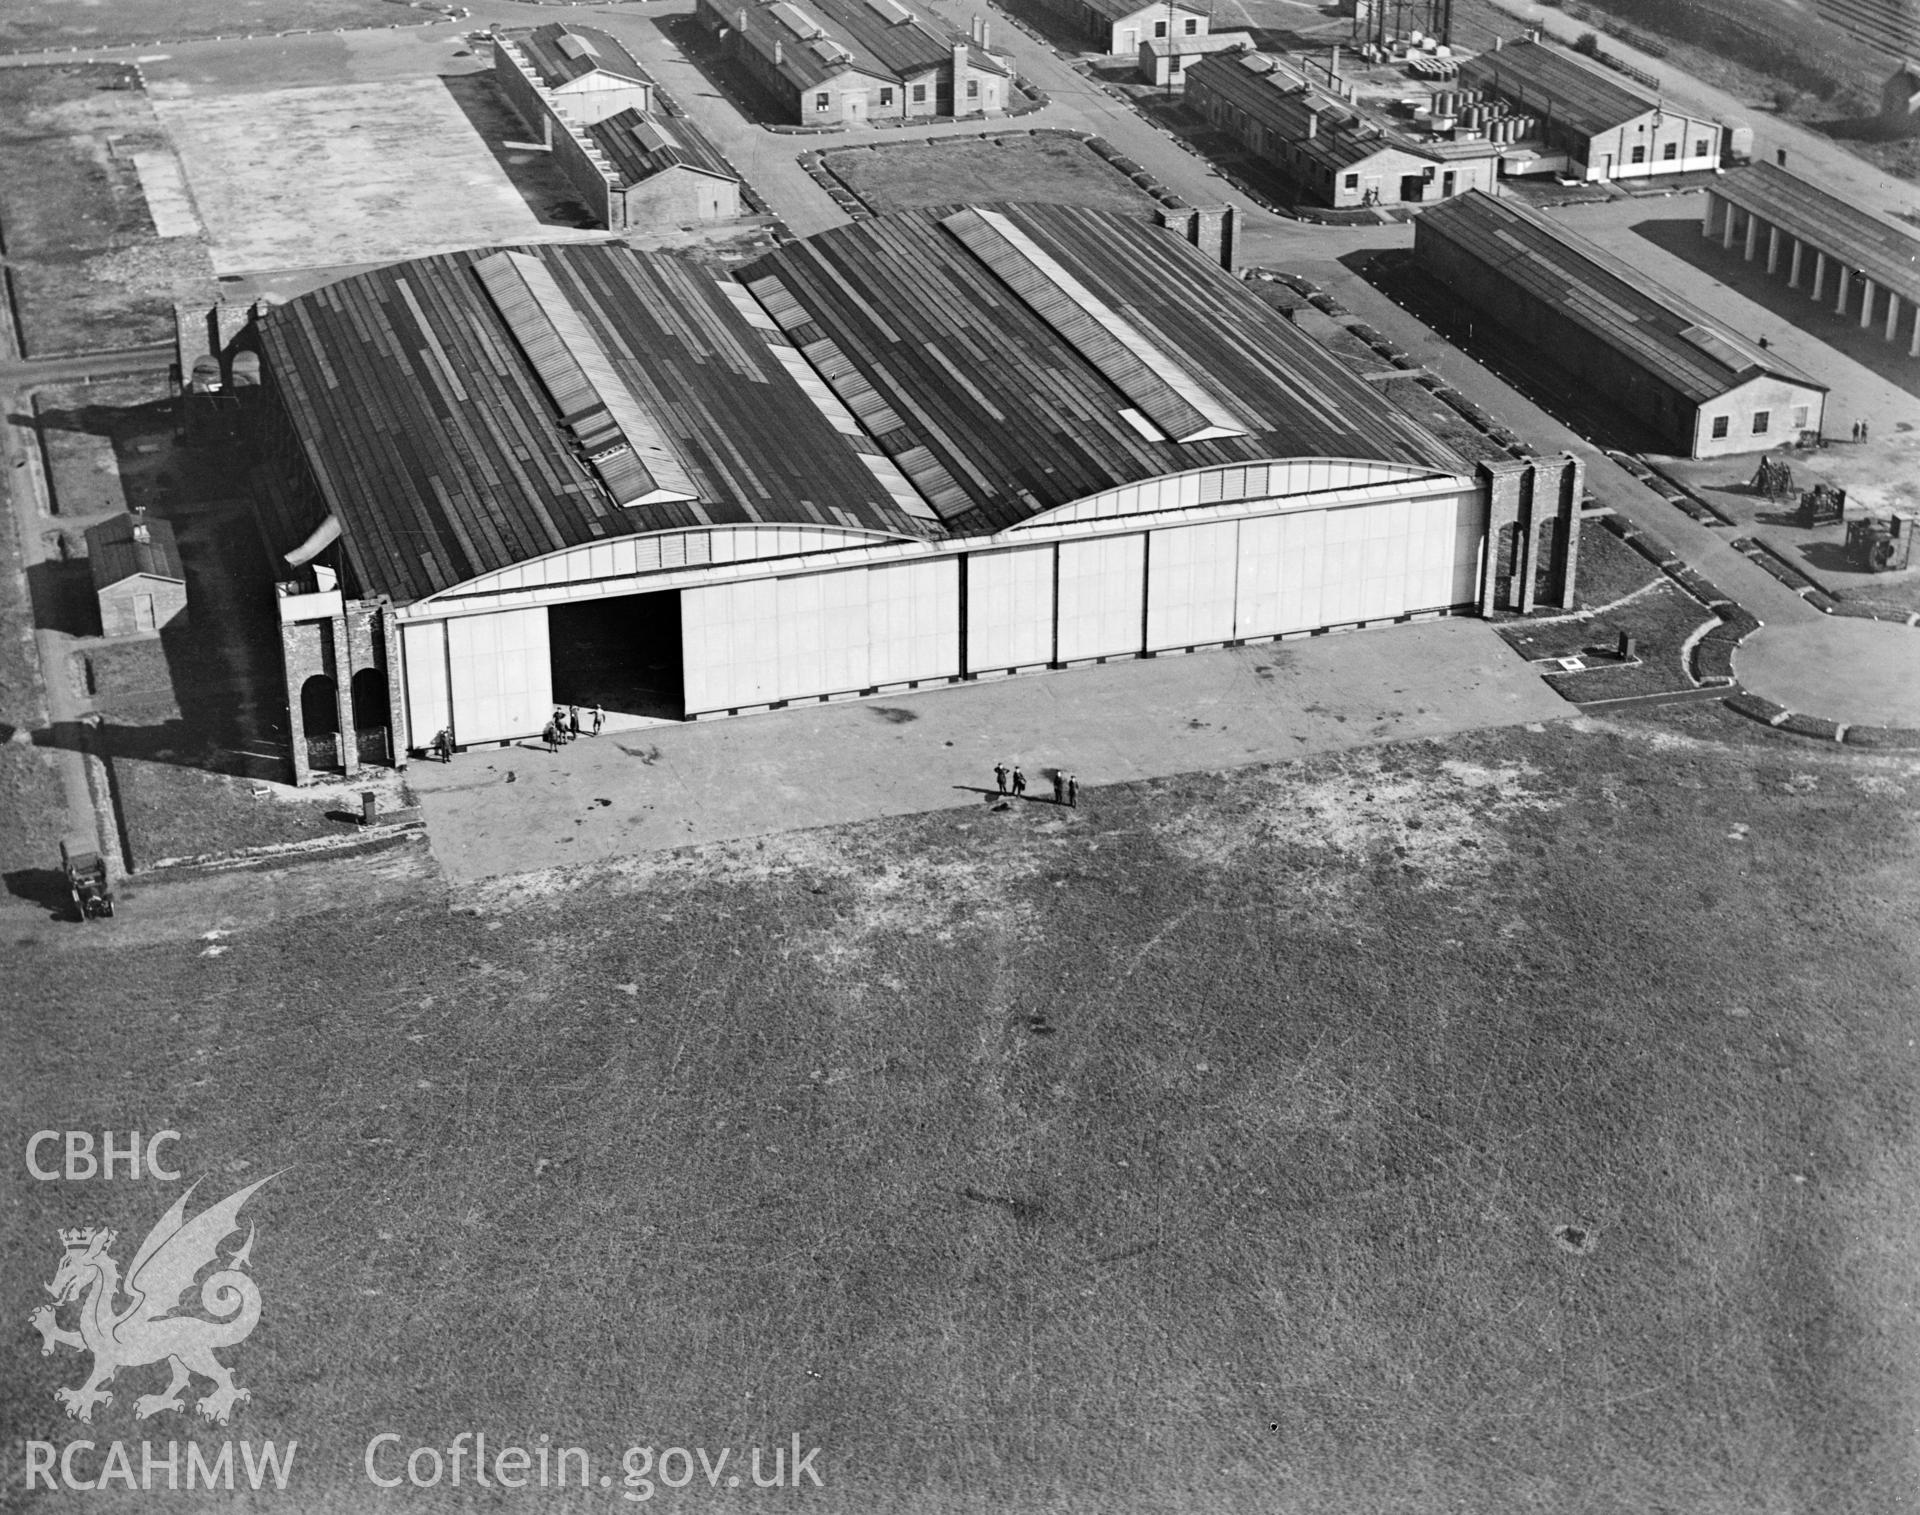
(148, 1330)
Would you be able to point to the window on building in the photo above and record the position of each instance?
(919, 94)
(1799, 418)
(1700, 148)
(1719, 426)
(1670, 152)
(1159, 28)
(886, 94)
(973, 89)
(1639, 154)
(1353, 181)
(1761, 420)
(1192, 26)
(822, 100)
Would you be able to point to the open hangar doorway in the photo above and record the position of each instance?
(622, 652)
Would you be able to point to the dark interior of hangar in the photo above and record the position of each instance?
(622, 652)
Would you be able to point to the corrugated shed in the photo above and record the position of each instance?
(1879, 249)
(996, 416)
(430, 432)
(561, 53)
(1584, 98)
(1695, 355)
(128, 545)
(640, 146)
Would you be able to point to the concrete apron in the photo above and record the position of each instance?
(1866, 673)
(824, 765)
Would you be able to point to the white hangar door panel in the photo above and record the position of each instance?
(501, 674)
(1009, 608)
(730, 645)
(1101, 588)
(822, 633)
(913, 622)
(1191, 584)
(1469, 536)
(428, 707)
(1316, 568)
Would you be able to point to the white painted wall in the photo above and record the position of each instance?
(1191, 581)
(1009, 609)
(423, 651)
(1101, 586)
(502, 675)
(1362, 563)
(819, 633)
(730, 641)
(913, 621)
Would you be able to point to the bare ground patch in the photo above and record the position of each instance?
(366, 173)
(89, 267)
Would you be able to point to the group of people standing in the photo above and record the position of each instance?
(565, 725)
(1011, 781)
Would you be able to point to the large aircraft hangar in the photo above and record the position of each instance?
(924, 448)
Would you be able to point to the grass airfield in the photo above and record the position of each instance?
(1209, 1147)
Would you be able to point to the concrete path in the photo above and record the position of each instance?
(826, 765)
(1865, 673)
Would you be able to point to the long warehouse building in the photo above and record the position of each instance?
(1705, 389)
(924, 448)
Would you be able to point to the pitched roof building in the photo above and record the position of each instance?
(592, 72)
(1343, 154)
(1121, 27)
(139, 580)
(829, 61)
(664, 170)
(1705, 388)
(1608, 128)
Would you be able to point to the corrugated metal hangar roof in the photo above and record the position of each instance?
(1699, 357)
(434, 436)
(1001, 403)
(1879, 249)
(964, 370)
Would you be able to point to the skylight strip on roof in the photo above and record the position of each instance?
(1159, 387)
(795, 20)
(581, 381)
(815, 387)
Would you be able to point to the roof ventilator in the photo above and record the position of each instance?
(1158, 387)
(626, 446)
